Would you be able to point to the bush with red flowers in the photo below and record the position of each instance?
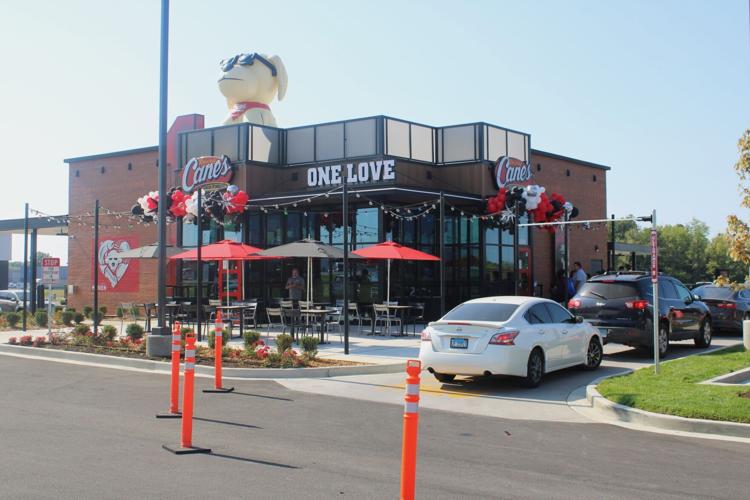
(13, 341)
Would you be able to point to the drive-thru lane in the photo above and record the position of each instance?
(69, 431)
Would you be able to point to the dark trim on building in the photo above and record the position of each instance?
(568, 158)
(114, 153)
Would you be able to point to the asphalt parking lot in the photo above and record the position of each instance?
(71, 431)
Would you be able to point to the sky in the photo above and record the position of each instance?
(658, 90)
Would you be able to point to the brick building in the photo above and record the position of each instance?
(397, 172)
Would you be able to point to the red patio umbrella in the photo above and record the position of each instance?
(222, 250)
(390, 250)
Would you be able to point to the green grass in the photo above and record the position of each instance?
(676, 390)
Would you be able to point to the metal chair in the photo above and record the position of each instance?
(381, 315)
(291, 317)
(417, 314)
(250, 313)
(129, 311)
(335, 319)
(271, 313)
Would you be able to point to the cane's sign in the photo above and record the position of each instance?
(206, 172)
(512, 171)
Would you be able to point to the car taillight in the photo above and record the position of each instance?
(637, 304)
(727, 305)
(504, 338)
(425, 335)
(574, 303)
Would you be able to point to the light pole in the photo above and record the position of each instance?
(162, 214)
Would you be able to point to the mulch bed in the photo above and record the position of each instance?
(201, 360)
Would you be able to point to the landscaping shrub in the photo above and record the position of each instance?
(80, 330)
(12, 318)
(41, 319)
(67, 318)
(96, 317)
(78, 318)
(290, 359)
(25, 340)
(87, 311)
(103, 310)
(273, 358)
(212, 338)
(283, 342)
(309, 346)
(39, 341)
(120, 312)
(250, 338)
(109, 332)
(59, 308)
(71, 309)
(134, 331)
(13, 341)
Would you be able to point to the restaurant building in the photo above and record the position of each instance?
(397, 174)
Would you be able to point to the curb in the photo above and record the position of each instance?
(627, 414)
(102, 360)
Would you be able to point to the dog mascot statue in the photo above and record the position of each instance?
(249, 82)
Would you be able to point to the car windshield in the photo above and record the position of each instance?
(715, 292)
(608, 290)
(481, 311)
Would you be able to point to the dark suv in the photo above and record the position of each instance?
(621, 306)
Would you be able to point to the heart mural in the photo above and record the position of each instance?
(110, 264)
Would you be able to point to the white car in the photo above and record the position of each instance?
(519, 336)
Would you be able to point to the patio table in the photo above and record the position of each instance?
(321, 316)
(401, 311)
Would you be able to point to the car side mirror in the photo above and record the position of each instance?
(697, 297)
(579, 319)
(689, 300)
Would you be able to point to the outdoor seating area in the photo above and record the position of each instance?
(293, 313)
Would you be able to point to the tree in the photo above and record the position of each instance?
(718, 259)
(738, 231)
(682, 251)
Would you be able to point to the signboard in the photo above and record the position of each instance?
(115, 273)
(512, 171)
(654, 257)
(50, 271)
(207, 172)
(354, 173)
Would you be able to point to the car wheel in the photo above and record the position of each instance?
(534, 369)
(705, 334)
(663, 341)
(594, 354)
(444, 377)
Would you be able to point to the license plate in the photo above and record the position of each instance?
(459, 343)
(603, 332)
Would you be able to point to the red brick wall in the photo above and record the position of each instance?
(116, 188)
(586, 194)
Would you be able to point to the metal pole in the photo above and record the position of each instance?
(515, 249)
(32, 280)
(25, 262)
(49, 311)
(612, 250)
(96, 266)
(441, 233)
(345, 218)
(567, 242)
(199, 269)
(655, 291)
(162, 214)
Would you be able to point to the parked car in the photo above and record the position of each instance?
(519, 336)
(11, 300)
(728, 307)
(621, 306)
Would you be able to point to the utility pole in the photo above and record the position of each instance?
(441, 233)
(96, 266)
(345, 220)
(162, 213)
(25, 262)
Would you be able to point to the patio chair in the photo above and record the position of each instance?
(417, 314)
(129, 313)
(212, 304)
(334, 320)
(292, 317)
(275, 318)
(250, 314)
(381, 315)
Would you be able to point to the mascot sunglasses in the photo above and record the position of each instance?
(246, 60)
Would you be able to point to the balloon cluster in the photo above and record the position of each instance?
(532, 200)
(215, 205)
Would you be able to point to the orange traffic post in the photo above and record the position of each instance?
(411, 422)
(186, 437)
(174, 397)
(218, 350)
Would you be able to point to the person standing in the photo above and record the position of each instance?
(579, 275)
(296, 285)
